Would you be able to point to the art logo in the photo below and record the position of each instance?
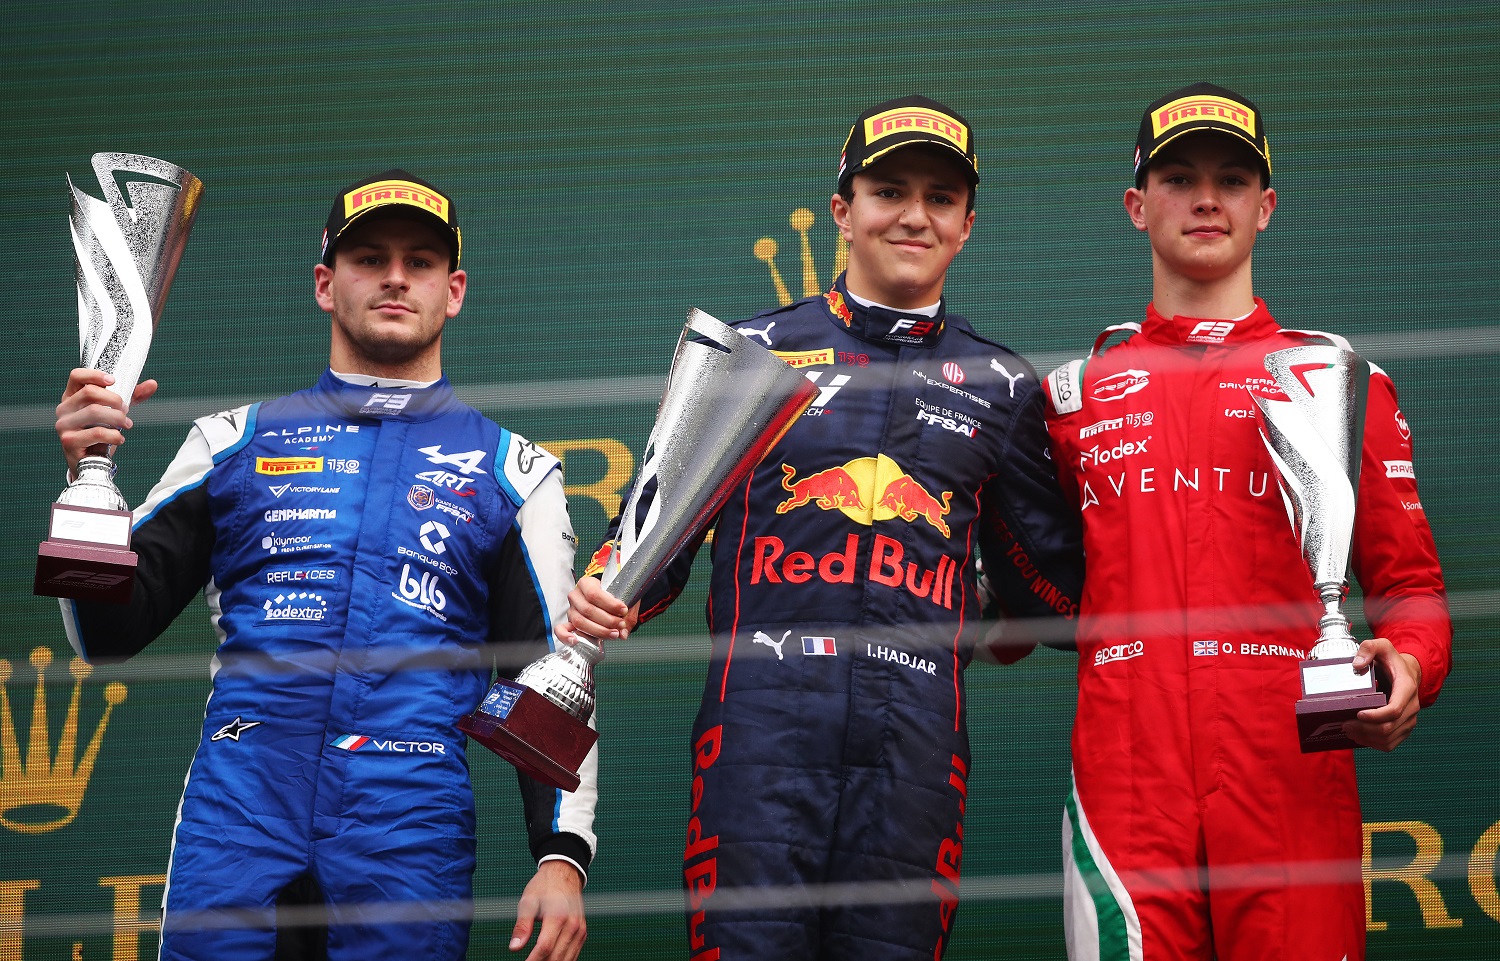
(43, 790)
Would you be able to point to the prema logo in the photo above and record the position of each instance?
(1120, 385)
(1119, 652)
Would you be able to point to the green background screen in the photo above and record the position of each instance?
(616, 164)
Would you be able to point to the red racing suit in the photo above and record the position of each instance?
(1196, 827)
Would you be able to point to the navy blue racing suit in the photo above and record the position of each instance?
(831, 747)
(368, 554)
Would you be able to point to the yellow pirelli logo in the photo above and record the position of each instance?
(806, 358)
(288, 465)
(910, 119)
(1190, 109)
(395, 192)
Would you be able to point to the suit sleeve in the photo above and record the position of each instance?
(173, 538)
(1394, 556)
(1030, 539)
(528, 593)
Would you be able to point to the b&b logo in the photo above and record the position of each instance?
(425, 593)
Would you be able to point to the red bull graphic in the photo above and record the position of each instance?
(866, 490)
(908, 500)
(600, 558)
(838, 308)
(774, 564)
(833, 489)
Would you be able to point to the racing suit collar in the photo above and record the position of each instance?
(883, 324)
(1185, 331)
(387, 402)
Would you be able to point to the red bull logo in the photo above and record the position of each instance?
(838, 308)
(774, 564)
(832, 489)
(600, 559)
(908, 500)
(867, 489)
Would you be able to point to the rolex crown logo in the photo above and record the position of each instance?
(766, 250)
(44, 791)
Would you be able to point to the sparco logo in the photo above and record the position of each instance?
(1098, 456)
(280, 514)
(1063, 378)
(1119, 385)
(1119, 652)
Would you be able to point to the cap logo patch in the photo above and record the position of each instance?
(909, 119)
(395, 192)
(1203, 107)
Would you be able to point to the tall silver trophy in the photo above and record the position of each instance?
(1315, 437)
(726, 404)
(126, 249)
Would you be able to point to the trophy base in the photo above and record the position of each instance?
(1333, 694)
(84, 572)
(529, 731)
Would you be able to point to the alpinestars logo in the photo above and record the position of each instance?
(234, 729)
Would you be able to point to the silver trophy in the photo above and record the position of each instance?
(726, 404)
(126, 249)
(1316, 437)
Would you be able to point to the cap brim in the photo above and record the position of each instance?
(401, 211)
(1210, 127)
(970, 173)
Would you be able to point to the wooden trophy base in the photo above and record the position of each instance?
(83, 570)
(1332, 695)
(532, 733)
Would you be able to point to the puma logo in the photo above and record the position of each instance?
(761, 638)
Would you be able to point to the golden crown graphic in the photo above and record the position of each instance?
(43, 792)
(766, 249)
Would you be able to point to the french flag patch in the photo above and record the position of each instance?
(818, 645)
(350, 742)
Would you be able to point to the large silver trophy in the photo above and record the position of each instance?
(126, 249)
(1315, 437)
(726, 404)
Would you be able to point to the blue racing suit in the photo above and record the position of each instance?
(831, 746)
(369, 554)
